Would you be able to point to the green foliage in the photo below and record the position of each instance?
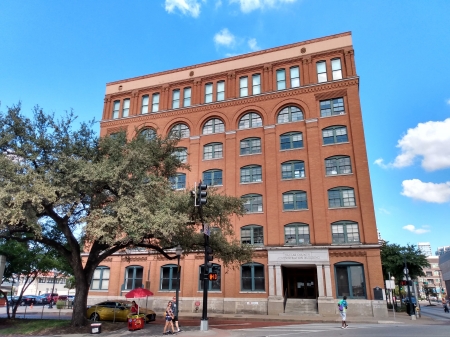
(392, 261)
(60, 304)
(70, 283)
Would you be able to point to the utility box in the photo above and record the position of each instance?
(96, 328)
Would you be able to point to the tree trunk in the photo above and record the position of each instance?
(80, 303)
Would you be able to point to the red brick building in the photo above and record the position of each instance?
(281, 128)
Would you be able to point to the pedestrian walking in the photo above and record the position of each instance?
(342, 305)
(169, 318)
(175, 314)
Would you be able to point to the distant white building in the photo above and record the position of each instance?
(442, 250)
(425, 248)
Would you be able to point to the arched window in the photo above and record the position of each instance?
(291, 140)
(250, 146)
(338, 165)
(350, 280)
(212, 285)
(212, 151)
(178, 181)
(296, 234)
(180, 130)
(290, 114)
(168, 278)
(133, 277)
(251, 174)
(252, 235)
(252, 277)
(345, 232)
(334, 134)
(100, 279)
(181, 154)
(294, 200)
(341, 197)
(212, 177)
(250, 120)
(148, 133)
(214, 125)
(253, 203)
(293, 169)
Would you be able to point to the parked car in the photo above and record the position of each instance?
(118, 310)
(28, 300)
(51, 297)
(42, 300)
(62, 297)
(12, 299)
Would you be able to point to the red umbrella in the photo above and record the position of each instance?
(138, 293)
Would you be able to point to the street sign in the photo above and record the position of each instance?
(213, 276)
(390, 284)
(206, 229)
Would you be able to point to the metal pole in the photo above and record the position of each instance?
(411, 307)
(204, 321)
(178, 286)
(51, 294)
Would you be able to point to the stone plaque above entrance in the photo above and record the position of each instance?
(298, 256)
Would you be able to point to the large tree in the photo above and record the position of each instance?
(66, 188)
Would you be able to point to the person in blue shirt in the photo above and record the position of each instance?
(342, 305)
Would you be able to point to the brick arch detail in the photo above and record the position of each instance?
(144, 125)
(208, 116)
(290, 102)
(177, 120)
(250, 108)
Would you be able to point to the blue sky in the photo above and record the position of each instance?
(60, 55)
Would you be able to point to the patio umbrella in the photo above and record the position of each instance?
(139, 293)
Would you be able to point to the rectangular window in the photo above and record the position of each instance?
(176, 99)
(256, 81)
(336, 69)
(281, 79)
(116, 107)
(213, 151)
(208, 92)
(243, 86)
(345, 233)
(332, 107)
(187, 97)
(126, 107)
(350, 281)
(144, 105)
(295, 77)
(155, 102)
(321, 71)
(221, 90)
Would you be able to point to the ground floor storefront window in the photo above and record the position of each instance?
(350, 280)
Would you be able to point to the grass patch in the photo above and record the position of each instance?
(30, 327)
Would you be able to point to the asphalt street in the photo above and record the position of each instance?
(435, 312)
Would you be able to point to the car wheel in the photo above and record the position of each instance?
(94, 317)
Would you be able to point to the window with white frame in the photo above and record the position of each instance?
(293, 169)
(208, 92)
(295, 77)
(341, 197)
(187, 97)
(252, 203)
(321, 71)
(281, 79)
(178, 181)
(336, 69)
(243, 86)
(332, 107)
(100, 279)
(345, 232)
(181, 154)
(148, 133)
(213, 151)
(126, 107)
(338, 165)
(180, 130)
(116, 107)
(250, 120)
(291, 140)
(144, 104)
(251, 174)
(220, 90)
(176, 99)
(250, 146)
(256, 84)
(334, 134)
(214, 125)
(296, 234)
(290, 114)
(212, 177)
(294, 200)
(252, 235)
(155, 102)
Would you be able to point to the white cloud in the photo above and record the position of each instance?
(251, 5)
(429, 192)
(187, 7)
(224, 38)
(380, 163)
(431, 141)
(448, 101)
(384, 210)
(253, 45)
(415, 230)
(218, 4)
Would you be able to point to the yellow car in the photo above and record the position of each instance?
(116, 311)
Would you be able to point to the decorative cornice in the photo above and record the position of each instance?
(235, 102)
(350, 253)
(134, 259)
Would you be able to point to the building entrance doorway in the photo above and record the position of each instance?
(300, 282)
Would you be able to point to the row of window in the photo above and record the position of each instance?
(298, 234)
(294, 169)
(350, 280)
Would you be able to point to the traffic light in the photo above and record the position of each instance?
(200, 198)
(213, 276)
(209, 257)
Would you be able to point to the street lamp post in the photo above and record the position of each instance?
(50, 306)
(411, 307)
(178, 252)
